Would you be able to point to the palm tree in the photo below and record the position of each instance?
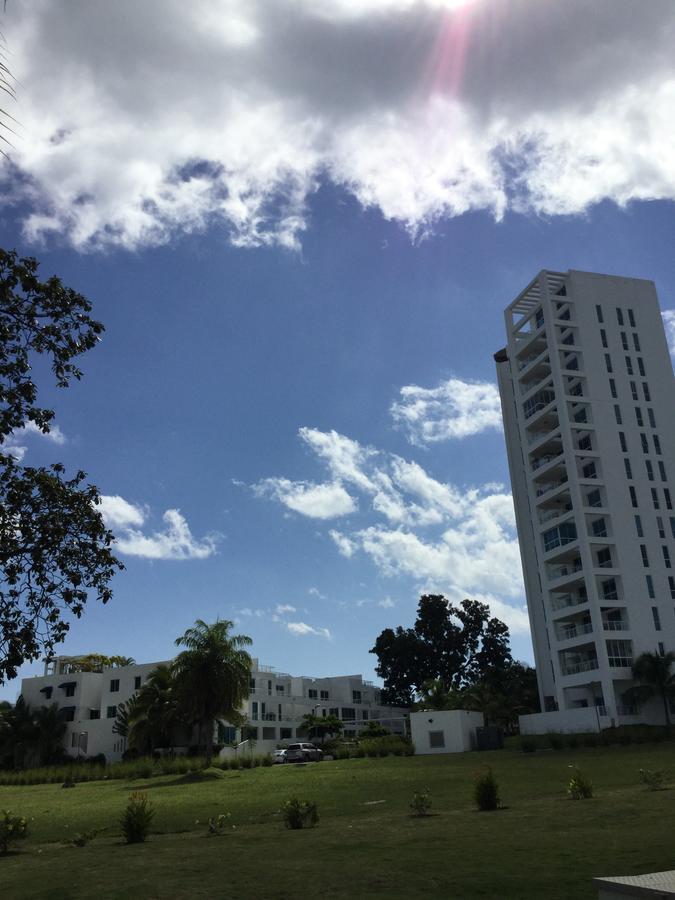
(50, 727)
(150, 717)
(436, 695)
(212, 677)
(652, 672)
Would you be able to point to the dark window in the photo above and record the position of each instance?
(652, 420)
(603, 337)
(672, 525)
(114, 685)
(612, 388)
(137, 682)
(645, 557)
(585, 442)
(285, 734)
(111, 712)
(604, 557)
(617, 414)
(631, 318)
(624, 340)
(650, 469)
(650, 587)
(324, 695)
(593, 498)
(657, 445)
(94, 713)
(629, 365)
(599, 528)
(580, 415)
(638, 417)
(645, 391)
(666, 556)
(619, 316)
(633, 496)
(348, 713)
(645, 444)
(641, 367)
(312, 694)
(609, 591)
(356, 696)
(589, 470)
(666, 494)
(629, 471)
(251, 684)
(70, 690)
(47, 691)
(634, 390)
(662, 470)
(636, 341)
(269, 733)
(280, 689)
(250, 732)
(671, 585)
(655, 498)
(69, 714)
(608, 362)
(539, 318)
(569, 339)
(662, 649)
(622, 442)
(657, 618)
(598, 312)
(436, 740)
(638, 526)
(659, 525)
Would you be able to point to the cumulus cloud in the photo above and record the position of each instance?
(14, 444)
(167, 117)
(387, 603)
(302, 629)
(453, 409)
(669, 323)
(318, 501)
(176, 541)
(441, 537)
(283, 609)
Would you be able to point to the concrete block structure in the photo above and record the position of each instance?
(588, 401)
(274, 709)
(445, 731)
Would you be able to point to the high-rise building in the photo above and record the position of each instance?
(588, 401)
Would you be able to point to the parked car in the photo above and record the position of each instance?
(303, 753)
(279, 756)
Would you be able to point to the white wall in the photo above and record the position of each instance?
(584, 719)
(458, 727)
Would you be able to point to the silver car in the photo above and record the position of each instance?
(303, 753)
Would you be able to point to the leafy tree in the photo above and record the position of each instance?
(320, 726)
(374, 730)
(31, 736)
(212, 676)
(655, 679)
(435, 695)
(54, 547)
(152, 716)
(459, 645)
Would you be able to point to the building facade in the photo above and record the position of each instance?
(274, 710)
(588, 403)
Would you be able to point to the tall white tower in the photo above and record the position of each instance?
(588, 400)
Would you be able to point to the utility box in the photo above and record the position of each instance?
(445, 731)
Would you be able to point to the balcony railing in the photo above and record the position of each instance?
(620, 662)
(551, 486)
(563, 571)
(586, 665)
(611, 625)
(566, 601)
(570, 631)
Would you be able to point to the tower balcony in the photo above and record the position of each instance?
(562, 603)
(575, 660)
(532, 369)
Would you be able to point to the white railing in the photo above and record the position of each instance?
(566, 601)
(563, 571)
(609, 625)
(570, 631)
(585, 665)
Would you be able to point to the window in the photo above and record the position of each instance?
(585, 442)
(638, 526)
(638, 417)
(671, 585)
(436, 740)
(652, 420)
(620, 654)
(629, 471)
(603, 337)
(633, 496)
(608, 362)
(641, 367)
(659, 525)
(622, 442)
(624, 341)
(619, 316)
(666, 556)
(250, 733)
(657, 618)
(645, 558)
(662, 649)
(655, 498)
(617, 414)
(650, 469)
(604, 557)
(94, 713)
(563, 534)
(593, 498)
(114, 685)
(589, 470)
(334, 711)
(634, 390)
(285, 734)
(70, 689)
(571, 363)
(47, 691)
(254, 710)
(657, 444)
(312, 693)
(598, 312)
(137, 682)
(364, 714)
(539, 318)
(599, 528)
(348, 713)
(356, 696)
(251, 684)
(645, 443)
(672, 525)
(666, 494)
(568, 339)
(636, 341)
(609, 591)
(645, 391)
(629, 365)
(68, 713)
(580, 415)
(631, 318)
(324, 695)
(650, 587)
(612, 388)
(662, 470)
(111, 712)
(280, 689)
(269, 733)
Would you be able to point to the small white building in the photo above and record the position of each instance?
(274, 710)
(444, 731)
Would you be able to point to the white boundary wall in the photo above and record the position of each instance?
(584, 719)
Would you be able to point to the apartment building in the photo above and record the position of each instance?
(274, 709)
(588, 402)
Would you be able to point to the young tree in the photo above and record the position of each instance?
(54, 546)
(212, 677)
(456, 644)
(320, 726)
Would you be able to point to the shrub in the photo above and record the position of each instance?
(528, 744)
(217, 824)
(387, 745)
(137, 818)
(246, 761)
(580, 787)
(299, 813)
(235, 763)
(12, 828)
(572, 741)
(421, 803)
(557, 741)
(267, 760)
(486, 792)
(81, 839)
(653, 780)
(591, 740)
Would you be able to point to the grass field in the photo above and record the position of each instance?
(541, 845)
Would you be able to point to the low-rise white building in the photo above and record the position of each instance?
(445, 731)
(274, 710)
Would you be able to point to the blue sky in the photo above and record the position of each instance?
(292, 414)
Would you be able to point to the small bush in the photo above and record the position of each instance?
(557, 741)
(299, 813)
(217, 824)
(421, 803)
(580, 787)
(572, 741)
(486, 792)
(267, 760)
(528, 744)
(653, 780)
(12, 828)
(137, 818)
(246, 761)
(81, 839)
(591, 740)
(235, 763)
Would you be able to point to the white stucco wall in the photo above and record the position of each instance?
(457, 726)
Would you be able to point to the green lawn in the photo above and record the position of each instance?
(542, 845)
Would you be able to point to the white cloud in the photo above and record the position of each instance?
(453, 409)
(387, 603)
(669, 324)
(174, 542)
(346, 546)
(232, 111)
(302, 629)
(318, 501)
(284, 609)
(315, 592)
(13, 444)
